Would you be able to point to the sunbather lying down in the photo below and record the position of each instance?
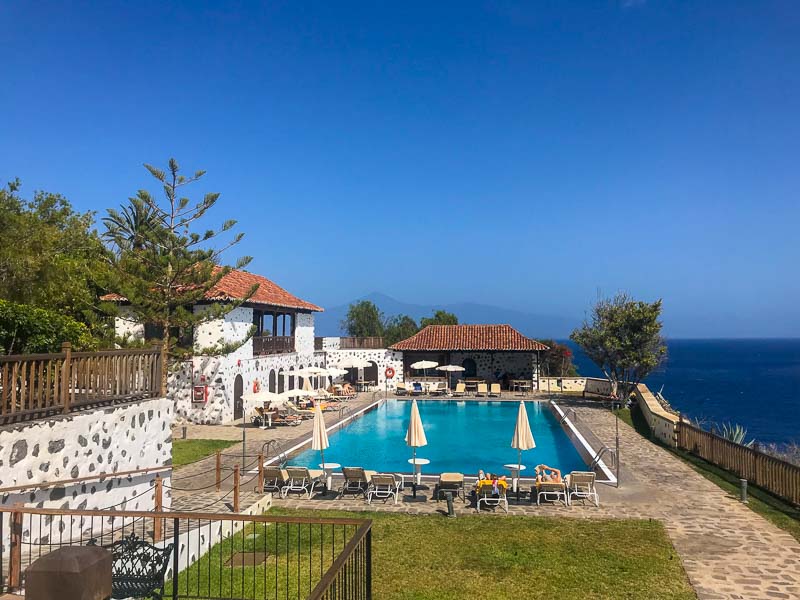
(547, 474)
(497, 482)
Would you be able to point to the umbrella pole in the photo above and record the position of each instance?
(414, 472)
(519, 465)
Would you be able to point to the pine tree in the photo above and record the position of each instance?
(166, 268)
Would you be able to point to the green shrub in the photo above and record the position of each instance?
(26, 329)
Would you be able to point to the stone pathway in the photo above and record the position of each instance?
(728, 551)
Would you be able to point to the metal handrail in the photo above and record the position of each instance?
(278, 451)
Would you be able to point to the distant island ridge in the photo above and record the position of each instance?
(533, 325)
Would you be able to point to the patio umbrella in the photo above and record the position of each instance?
(415, 436)
(319, 436)
(424, 365)
(523, 438)
(336, 372)
(450, 369)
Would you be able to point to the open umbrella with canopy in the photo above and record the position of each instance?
(450, 369)
(424, 365)
(523, 438)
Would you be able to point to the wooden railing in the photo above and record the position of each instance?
(212, 555)
(273, 344)
(772, 474)
(360, 343)
(34, 385)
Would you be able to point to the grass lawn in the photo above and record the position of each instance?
(431, 557)
(775, 510)
(187, 451)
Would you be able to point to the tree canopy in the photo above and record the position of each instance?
(622, 336)
(440, 317)
(50, 255)
(363, 320)
(166, 268)
(398, 328)
(557, 361)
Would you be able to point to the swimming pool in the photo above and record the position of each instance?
(463, 436)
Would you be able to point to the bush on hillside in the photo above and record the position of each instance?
(25, 329)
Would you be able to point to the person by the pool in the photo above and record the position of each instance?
(494, 479)
(547, 474)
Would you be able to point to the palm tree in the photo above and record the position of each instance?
(129, 228)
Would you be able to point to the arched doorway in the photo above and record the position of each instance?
(238, 390)
(371, 372)
(272, 380)
(470, 368)
(281, 381)
(291, 378)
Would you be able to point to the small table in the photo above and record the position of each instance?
(418, 462)
(329, 468)
(515, 469)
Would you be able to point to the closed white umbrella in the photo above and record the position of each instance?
(319, 436)
(415, 436)
(523, 438)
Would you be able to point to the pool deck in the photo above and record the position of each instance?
(728, 551)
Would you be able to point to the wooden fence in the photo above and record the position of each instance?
(33, 385)
(772, 474)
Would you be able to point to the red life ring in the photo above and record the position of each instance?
(256, 386)
(389, 372)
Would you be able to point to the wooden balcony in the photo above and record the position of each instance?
(273, 344)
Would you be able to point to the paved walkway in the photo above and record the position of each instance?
(728, 551)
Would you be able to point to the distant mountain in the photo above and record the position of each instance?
(532, 325)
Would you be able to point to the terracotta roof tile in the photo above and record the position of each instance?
(469, 337)
(236, 284)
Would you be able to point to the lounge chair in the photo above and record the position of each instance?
(581, 485)
(550, 490)
(494, 390)
(275, 478)
(281, 418)
(417, 390)
(400, 389)
(484, 492)
(301, 479)
(483, 390)
(303, 413)
(383, 486)
(450, 482)
(356, 480)
(438, 389)
(460, 390)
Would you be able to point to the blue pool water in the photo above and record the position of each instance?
(462, 437)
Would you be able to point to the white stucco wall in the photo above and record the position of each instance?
(521, 364)
(232, 328)
(304, 333)
(105, 440)
(126, 326)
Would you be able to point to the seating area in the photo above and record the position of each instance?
(486, 491)
(468, 388)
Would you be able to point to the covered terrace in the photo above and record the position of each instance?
(490, 353)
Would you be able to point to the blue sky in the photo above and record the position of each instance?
(524, 155)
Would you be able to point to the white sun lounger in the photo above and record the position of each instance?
(581, 485)
(384, 486)
(301, 479)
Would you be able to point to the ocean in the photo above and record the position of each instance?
(752, 382)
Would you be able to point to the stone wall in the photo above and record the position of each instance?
(575, 385)
(87, 444)
(663, 424)
(521, 364)
(220, 374)
(232, 328)
(304, 333)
